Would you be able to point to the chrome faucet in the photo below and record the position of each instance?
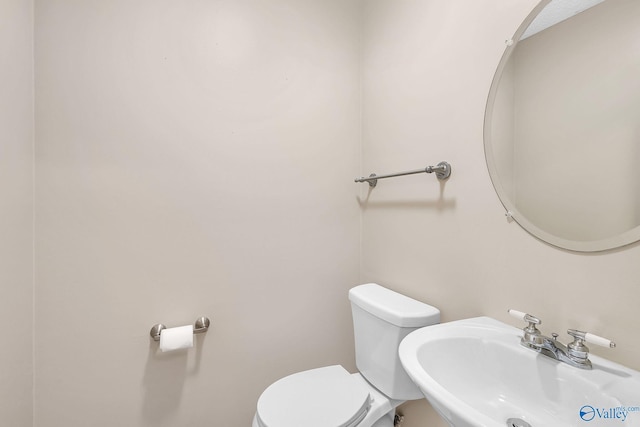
(575, 353)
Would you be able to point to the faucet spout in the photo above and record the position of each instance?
(550, 347)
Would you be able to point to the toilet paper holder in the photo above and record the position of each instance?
(200, 327)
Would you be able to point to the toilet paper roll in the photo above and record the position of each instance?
(176, 338)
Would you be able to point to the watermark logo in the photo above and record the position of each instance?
(587, 413)
(618, 413)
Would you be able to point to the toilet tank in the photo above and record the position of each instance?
(381, 319)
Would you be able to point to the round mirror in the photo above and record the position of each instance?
(562, 126)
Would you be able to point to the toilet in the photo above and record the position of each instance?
(333, 397)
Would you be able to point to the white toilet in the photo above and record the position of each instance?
(331, 396)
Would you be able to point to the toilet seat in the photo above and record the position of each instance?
(323, 397)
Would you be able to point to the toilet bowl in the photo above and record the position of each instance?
(331, 396)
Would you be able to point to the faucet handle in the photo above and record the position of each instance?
(590, 338)
(532, 336)
(533, 320)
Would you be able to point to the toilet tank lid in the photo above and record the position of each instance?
(395, 308)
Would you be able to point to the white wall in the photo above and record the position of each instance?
(194, 158)
(16, 206)
(428, 66)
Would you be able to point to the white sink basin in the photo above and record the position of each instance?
(475, 373)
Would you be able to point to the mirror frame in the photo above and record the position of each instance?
(617, 241)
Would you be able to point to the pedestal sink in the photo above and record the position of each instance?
(475, 373)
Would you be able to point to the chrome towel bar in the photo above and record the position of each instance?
(201, 326)
(442, 171)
